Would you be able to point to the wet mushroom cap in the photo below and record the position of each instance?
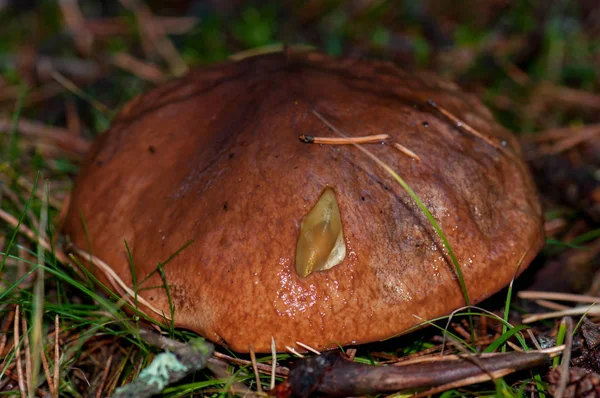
(214, 159)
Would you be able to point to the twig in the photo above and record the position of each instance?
(534, 340)
(551, 305)
(462, 125)
(104, 377)
(4, 335)
(592, 311)
(578, 137)
(255, 369)
(142, 69)
(566, 359)
(369, 139)
(76, 23)
(155, 35)
(273, 363)
(307, 347)
(55, 135)
(407, 151)
(56, 354)
(18, 353)
(46, 367)
(576, 298)
(293, 351)
(332, 375)
(464, 382)
(72, 87)
(27, 349)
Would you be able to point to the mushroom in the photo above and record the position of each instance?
(298, 242)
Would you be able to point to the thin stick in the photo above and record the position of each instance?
(465, 382)
(534, 340)
(104, 377)
(76, 23)
(551, 305)
(368, 139)
(255, 369)
(566, 359)
(72, 87)
(4, 334)
(307, 347)
(56, 354)
(293, 351)
(18, 354)
(557, 314)
(141, 69)
(49, 381)
(155, 34)
(27, 349)
(273, 363)
(406, 151)
(57, 136)
(462, 125)
(576, 298)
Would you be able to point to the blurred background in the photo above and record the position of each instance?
(68, 66)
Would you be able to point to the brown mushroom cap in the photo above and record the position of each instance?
(214, 158)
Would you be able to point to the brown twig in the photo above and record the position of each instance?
(255, 369)
(332, 375)
(56, 354)
(308, 348)
(273, 363)
(56, 135)
(27, 349)
(155, 35)
(49, 381)
(75, 21)
(462, 125)
(575, 298)
(578, 136)
(72, 87)
(369, 139)
(406, 151)
(17, 344)
(4, 335)
(142, 69)
(104, 377)
(566, 359)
